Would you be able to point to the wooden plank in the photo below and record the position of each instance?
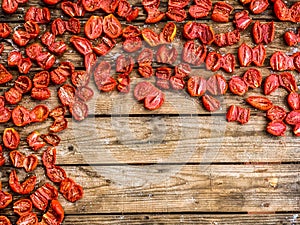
(165, 139)
(182, 188)
(154, 219)
(149, 219)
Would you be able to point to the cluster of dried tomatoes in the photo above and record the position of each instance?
(101, 33)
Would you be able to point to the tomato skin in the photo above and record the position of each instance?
(151, 37)
(104, 46)
(281, 11)
(11, 138)
(73, 9)
(279, 61)
(291, 38)
(17, 158)
(42, 93)
(194, 54)
(132, 44)
(59, 124)
(80, 78)
(39, 113)
(58, 27)
(124, 64)
(2, 158)
(32, 52)
(84, 93)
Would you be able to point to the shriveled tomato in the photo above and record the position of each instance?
(24, 65)
(42, 195)
(154, 15)
(84, 93)
(239, 114)
(132, 44)
(80, 78)
(55, 213)
(73, 9)
(104, 46)
(5, 30)
(33, 140)
(23, 188)
(73, 25)
(5, 199)
(276, 113)
(131, 31)
(124, 64)
(245, 54)
(177, 83)
(51, 139)
(253, 78)
(258, 6)
(109, 6)
(221, 12)
(288, 81)
(153, 98)
(39, 113)
(60, 124)
(39, 15)
(143, 89)
(196, 86)
(242, 20)
(47, 39)
(182, 70)
(21, 38)
(60, 74)
(271, 84)
(66, 94)
(175, 13)
(259, 55)
(30, 163)
(112, 26)
(4, 220)
(168, 33)
(201, 9)
(263, 33)
(79, 110)
(227, 39)
(260, 102)
(151, 37)
(280, 62)
(17, 158)
(276, 128)
(32, 28)
(10, 6)
(145, 70)
(41, 79)
(281, 11)
(42, 93)
(57, 112)
(11, 138)
(45, 60)
(213, 61)
(228, 63)
(210, 103)
(293, 100)
(237, 85)
(193, 53)
(70, 190)
(217, 85)
(82, 45)
(93, 27)
(32, 51)
(166, 54)
(58, 27)
(13, 96)
(5, 76)
(49, 157)
(56, 174)
(89, 61)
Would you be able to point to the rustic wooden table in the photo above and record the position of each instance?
(176, 165)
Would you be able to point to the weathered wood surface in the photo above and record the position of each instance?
(176, 165)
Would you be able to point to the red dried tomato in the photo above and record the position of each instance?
(177, 14)
(217, 85)
(61, 73)
(11, 138)
(154, 15)
(39, 113)
(242, 20)
(237, 113)
(4, 220)
(24, 65)
(124, 64)
(182, 70)
(45, 60)
(5, 30)
(80, 78)
(104, 46)
(131, 31)
(177, 83)
(260, 102)
(5, 199)
(227, 39)
(34, 142)
(70, 190)
(228, 63)
(258, 6)
(112, 26)
(10, 6)
(13, 96)
(22, 206)
(5, 76)
(237, 85)
(271, 84)
(196, 86)
(213, 61)
(276, 113)
(57, 112)
(56, 174)
(32, 52)
(79, 110)
(291, 38)
(73, 25)
(32, 28)
(245, 54)
(49, 157)
(151, 37)
(293, 100)
(221, 12)
(168, 33)
(17, 158)
(21, 188)
(201, 9)
(66, 94)
(166, 54)
(21, 38)
(85, 93)
(263, 33)
(59, 124)
(82, 45)
(73, 9)
(2, 159)
(55, 213)
(51, 139)
(30, 163)
(259, 55)
(109, 6)
(47, 39)
(42, 195)
(39, 15)
(276, 128)
(42, 93)
(193, 53)
(88, 5)
(29, 218)
(145, 70)
(253, 78)
(280, 62)
(288, 81)
(93, 27)
(281, 11)
(210, 103)
(89, 61)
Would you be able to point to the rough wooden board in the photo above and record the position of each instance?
(165, 139)
(149, 219)
(182, 188)
(177, 218)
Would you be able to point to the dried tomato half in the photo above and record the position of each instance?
(276, 113)
(55, 213)
(193, 53)
(4, 220)
(93, 27)
(79, 110)
(56, 174)
(49, 157)
(39, 15)
(51, 139)
(112, 26)
(263, 33)
(260, 102)
(23, 188)
(33, 140)
(66, 94)
(196, 86)
(271, 84)
(221, 12)
(217, 85)
(237, 85)
(166, 54)
(42, 195)
(13, 96)
(253, 78)
(5, 30)
(10, 6)
(242, 20)
(22, 206)
(288, 81)
(11, 138)
(293, 100)
(210, 103)
(5, 76)
(5, 199)
(276, 128)
(70, 190)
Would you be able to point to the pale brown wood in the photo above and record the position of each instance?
(182, 188)
(164, 139)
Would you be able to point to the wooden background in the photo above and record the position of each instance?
(179, 164)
